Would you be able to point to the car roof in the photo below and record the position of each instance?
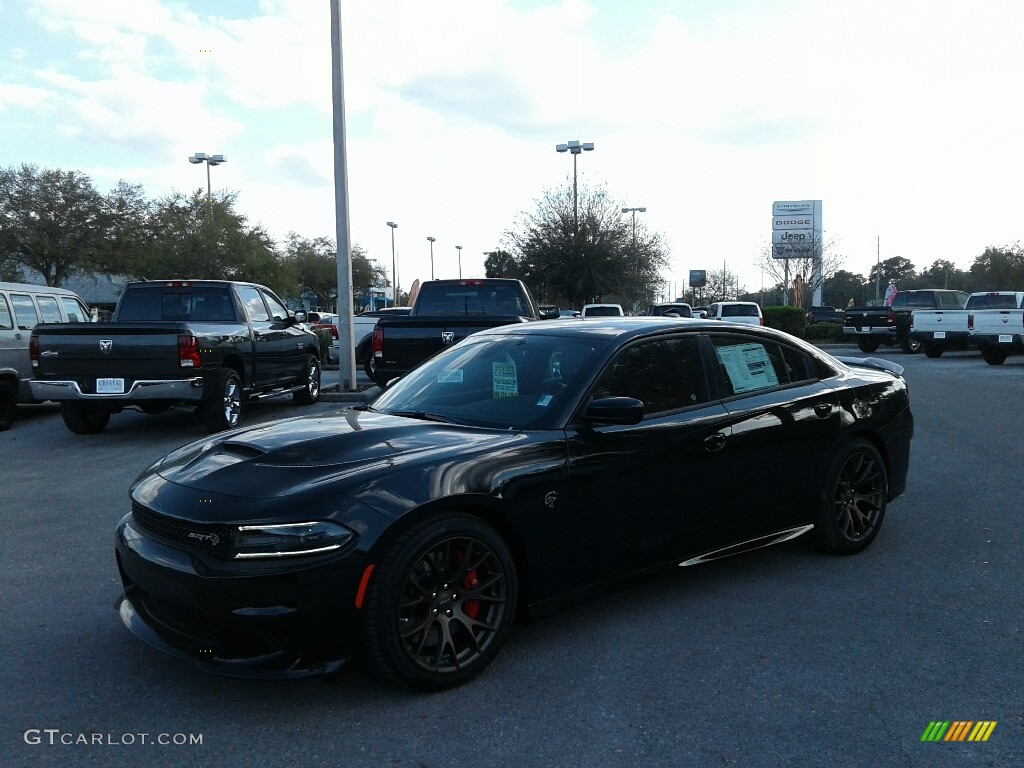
(639, 325)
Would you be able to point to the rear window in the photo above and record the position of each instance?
(200, 303)
(740, 310)
(495, 300)
(992, 301)
(603, 312)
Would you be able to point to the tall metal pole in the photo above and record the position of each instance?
(347, 350)
(459, 249)
(878, 264)
(209, 189)
(431, 239)
(394, 271)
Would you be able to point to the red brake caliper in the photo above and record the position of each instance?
(470, 607)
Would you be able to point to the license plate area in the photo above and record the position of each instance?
(940, 334)
(109, 386)
(1005, 338)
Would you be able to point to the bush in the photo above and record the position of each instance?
(325, 343)
(824, 332)
(792, 320)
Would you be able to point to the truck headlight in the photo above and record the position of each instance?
(289, 540)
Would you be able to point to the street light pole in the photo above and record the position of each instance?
(575, 148)
(394, 271)
(459, 249)
(202, 157)
(634, 211)
(431, 239)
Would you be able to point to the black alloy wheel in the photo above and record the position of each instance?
(8, 402)
(223, 410)
(910, 346)
(310, 391)
(84, 418)
(853, 501)
(993, 356)
(441, 603)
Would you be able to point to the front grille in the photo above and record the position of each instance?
(182, 620)
(212, 539)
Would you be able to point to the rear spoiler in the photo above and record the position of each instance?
(876, 363)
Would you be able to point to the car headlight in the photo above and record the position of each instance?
(289, 540)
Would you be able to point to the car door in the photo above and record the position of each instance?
(270, 343)
(655, 486)
(783, 427)
(293, 348)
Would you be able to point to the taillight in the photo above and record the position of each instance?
(970, 321)
(760, 321)
(378, 342)
(33, 350)
(890, 317)
(188, 352)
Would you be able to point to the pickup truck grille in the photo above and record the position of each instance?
(211, 539)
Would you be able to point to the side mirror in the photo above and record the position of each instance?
(300, 316)
(615, 410)
(546, 312)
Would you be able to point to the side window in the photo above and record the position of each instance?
(24, 311)
(277, 309)
(48, 309)
(799, 367)
(665, 375)
(6, 321)
(74, 310)
(750, 365)
(255, 310)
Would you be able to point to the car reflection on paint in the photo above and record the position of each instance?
(506, 476)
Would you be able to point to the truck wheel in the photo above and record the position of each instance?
(993, 356)
(867, 345)
(369, 366)
(84, 418)
(222, 408)
(310, 391)
(8, 402)
(931, 349)
(910, 346)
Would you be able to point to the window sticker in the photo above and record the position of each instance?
(505, 382)
(748, 367)
(544, 400)
(450, 376)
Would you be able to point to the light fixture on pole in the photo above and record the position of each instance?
(202, 157)
(575, 148)
(459, 249)
(394, 272)
(634, 212)
(431, 239)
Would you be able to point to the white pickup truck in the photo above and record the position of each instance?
(998, 329)
(939, 330)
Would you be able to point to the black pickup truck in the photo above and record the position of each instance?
(444, 313)
(872, 326)
(206, 343)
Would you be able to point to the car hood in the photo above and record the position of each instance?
(285, 457)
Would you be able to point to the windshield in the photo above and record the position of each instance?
(506, 382)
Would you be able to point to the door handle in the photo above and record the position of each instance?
(715, 442)
(823, 410)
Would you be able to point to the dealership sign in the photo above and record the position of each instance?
(698, 278)
(796, 227)
(793, 207)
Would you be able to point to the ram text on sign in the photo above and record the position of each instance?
(791, 251)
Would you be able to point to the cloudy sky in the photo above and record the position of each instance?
(905, 118)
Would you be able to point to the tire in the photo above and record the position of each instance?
(310, 393)
(8, 402)
(222, 409)
(867, 345)
(369, 366)
(853, 500)
(993, 356)
(910, 346)
(84, 418)
(420, 628)
(931, 350)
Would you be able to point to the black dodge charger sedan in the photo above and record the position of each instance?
(525, 467)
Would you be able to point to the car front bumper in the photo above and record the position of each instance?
(274, 621)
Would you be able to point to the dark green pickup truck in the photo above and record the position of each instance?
(444, 313)
(209, 344)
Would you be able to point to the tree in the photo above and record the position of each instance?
(128, 233)
(51, 221)
(842, 287)
(314, 267)
(603, 259)
(942, 274)
(999, 269)
(825, 249)
(501, 264)
(897, 268)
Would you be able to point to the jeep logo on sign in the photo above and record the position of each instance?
(106, 345)
(447, 337)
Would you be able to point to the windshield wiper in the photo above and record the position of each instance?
(425, 416)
